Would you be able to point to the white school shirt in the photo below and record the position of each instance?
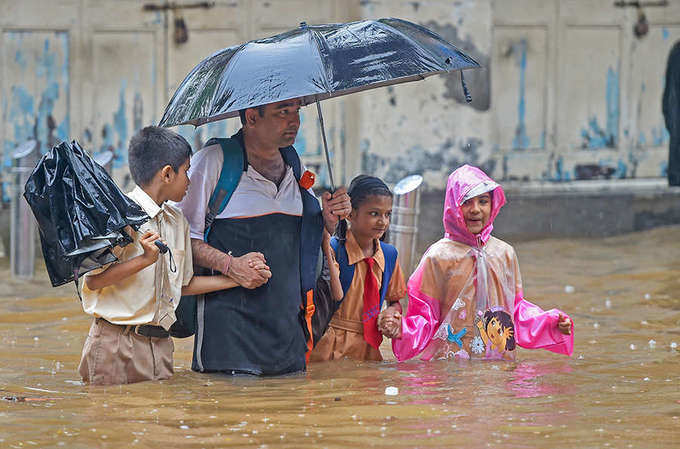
(151, 295)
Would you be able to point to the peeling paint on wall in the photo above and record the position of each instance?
(369, 5)
(478, 80)
(642, 140)
(46, 125)
(594, 136)
(521, 140)
(393, 97)
(613, 105)
(300, 140)
(603, 169)
(22, 115)
(38, 82)
(556, 171)
(452, 153)
(621, 169)
(138, 112)
(197, 137)
(660, 136)
(120, 128)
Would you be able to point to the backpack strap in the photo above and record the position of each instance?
(346, 270)
(390, 253)
(311, 227)
(291, 158)
(230, 175)
(310, 246)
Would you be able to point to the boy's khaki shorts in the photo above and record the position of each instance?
(114, 355)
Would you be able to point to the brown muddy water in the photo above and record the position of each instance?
(621, 388)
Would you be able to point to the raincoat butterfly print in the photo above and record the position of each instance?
(465, 297)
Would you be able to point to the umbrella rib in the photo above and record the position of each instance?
(408, 38)
(413, 42)
(313, 37)
(178, 91)
(234, 58)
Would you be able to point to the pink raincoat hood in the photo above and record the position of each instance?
(463, 181)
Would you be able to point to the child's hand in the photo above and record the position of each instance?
(564, 324)
(333, 267)
(391, 327)
(328, 250)
(242, 270)
(151, 251)
(261, 267)
(389, 322)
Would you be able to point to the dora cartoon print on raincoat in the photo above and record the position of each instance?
(465, 297)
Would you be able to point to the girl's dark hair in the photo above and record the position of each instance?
(503, 317)
(359, 189)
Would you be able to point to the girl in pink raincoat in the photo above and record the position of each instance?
(465, 297)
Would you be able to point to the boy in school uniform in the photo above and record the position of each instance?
(133, 300)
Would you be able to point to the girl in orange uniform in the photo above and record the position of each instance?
(369, 273)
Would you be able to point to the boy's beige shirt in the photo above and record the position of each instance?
(151, 295)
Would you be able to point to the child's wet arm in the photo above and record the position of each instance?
(537, 328)
(206, 284)
(336, 286)
(116, 272)
(333, 267)
(396, 289)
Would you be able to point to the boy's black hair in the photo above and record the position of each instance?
(359, 189)
(503, 317)
(242, 113)
(151, 149)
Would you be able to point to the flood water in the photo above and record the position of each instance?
(620, 389)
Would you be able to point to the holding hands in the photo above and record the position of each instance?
(389, 321)
(249, 271)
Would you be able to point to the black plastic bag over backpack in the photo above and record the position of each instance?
(80, 210)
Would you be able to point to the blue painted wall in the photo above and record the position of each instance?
(39, 81)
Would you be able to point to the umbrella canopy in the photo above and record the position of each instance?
(80, 211)
(312, 63)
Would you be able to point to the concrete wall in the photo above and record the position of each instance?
(567, 91)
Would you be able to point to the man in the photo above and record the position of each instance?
(671, 113)
(256, 329)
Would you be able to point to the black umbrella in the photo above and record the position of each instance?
(81, 213)
(312, 63)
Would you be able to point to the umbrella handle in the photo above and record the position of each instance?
(325, 145)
